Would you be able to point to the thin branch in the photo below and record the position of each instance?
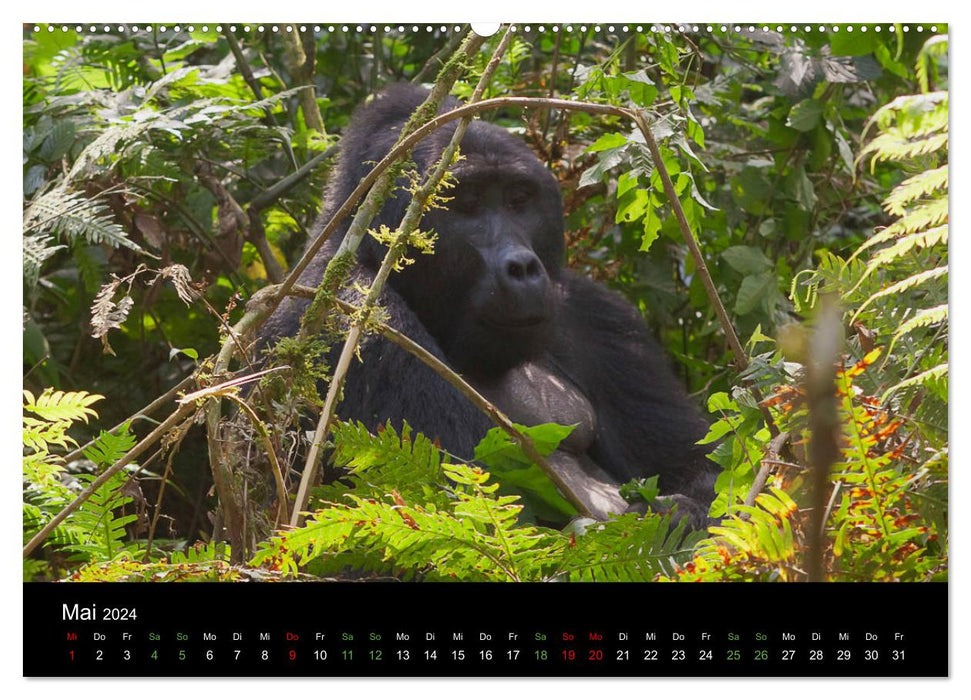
(770, 460)
(464, 388)
(281, 187)
(396, 249)
(150, 408)
(741, 358)
(242, 64)
(180, 413)
(437, 61)
(281, 490)
(222, 475)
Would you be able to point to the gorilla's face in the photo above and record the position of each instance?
(488, 292)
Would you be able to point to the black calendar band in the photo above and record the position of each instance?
(430, 629)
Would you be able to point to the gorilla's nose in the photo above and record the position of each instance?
(520, 268)
(524, 284)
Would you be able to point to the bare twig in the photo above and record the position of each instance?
(741, 358)
(179, 414)
(281, 489)
(396, 248)
(467, 390)
(150, 408)
(770, 460)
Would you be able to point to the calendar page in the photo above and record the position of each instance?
(376, 349)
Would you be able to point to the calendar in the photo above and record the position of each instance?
(546, 349)
(382, 629)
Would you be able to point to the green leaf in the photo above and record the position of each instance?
(632, 206)
(497, 448)
(804, 116)
(748, 260)
(606, 142)
(753, 291)
(191, 353)
(721, 401)
(801, 189)
(652, 226)
(625, 183)
(750, 190)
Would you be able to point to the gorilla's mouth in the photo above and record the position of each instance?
(515, 324)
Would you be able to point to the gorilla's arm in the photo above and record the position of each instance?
(645, 423)
(393, 384)
(388, 383)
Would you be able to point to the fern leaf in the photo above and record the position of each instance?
(926, 219)
(935, 47)
(104, 531)
(902, 286)
(61, 406)
(36, 250)
(922, 319)
(901, 248)
(628, 548)
(930, 103)
(895, 146)
(72, 215)
(933, 181)
(108, 448)
(934, 373)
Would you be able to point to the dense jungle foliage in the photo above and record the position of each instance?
(170, 173)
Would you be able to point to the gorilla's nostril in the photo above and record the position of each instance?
(522, 266)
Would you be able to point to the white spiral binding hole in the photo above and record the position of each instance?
(528, 29)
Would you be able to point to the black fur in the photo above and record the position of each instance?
(493, 297)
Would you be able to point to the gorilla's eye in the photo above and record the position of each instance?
(466, 201)
(518, 196)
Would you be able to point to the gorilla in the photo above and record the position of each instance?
(494, 302)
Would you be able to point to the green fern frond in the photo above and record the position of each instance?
(125, 568)
(108, 448)
(412, 537)
(915, 108)
(628, 548)
(933, 374)
(475, 536)
(39, 435)
(926, 218)
(896, 146)
(104, 531)
(935, 47)
(409, 463)
(902, 248)
(922, 319)
(73, 216)
(902, 286)
(61, 406)
(200, 553)
(37, 249)
(930, 182)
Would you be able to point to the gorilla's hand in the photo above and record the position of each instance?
(683, 507)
